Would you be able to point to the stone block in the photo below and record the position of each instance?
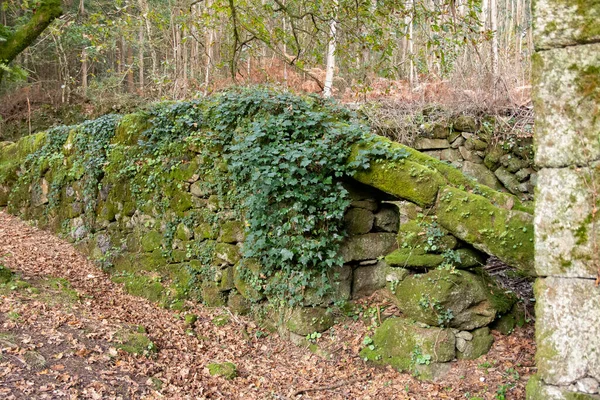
(508, 180)
(398, 340)
(387, 219)
(367, 247)
(481, 174)
(431, 144)
(566, 98)
(564, 232)
(567, 330)
(560, 23)
(368, 279)
(358, 221)
(505, 233)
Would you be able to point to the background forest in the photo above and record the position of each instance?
(102, 56)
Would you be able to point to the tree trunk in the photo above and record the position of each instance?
(330, 68)
(47, 11)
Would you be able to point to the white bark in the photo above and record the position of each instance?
(330, 69)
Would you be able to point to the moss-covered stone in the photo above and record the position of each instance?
(246, 279)
(465, 123)
(142, 286)
(425, 234)
(130, 129)
(450, 176)
(367, 279)
(231, 232)
(151, 241)
(566, 96)
(227, 253)
(238, 303)
(505, 233)
(403, 344)
(358, 221)
(306, 320)
(479, 345)
(212, 296)
(135, 343)
(413, 258)
(367, 247)
(561, 23)
(459, 299)
(226, 370)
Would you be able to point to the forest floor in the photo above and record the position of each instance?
(67, 331)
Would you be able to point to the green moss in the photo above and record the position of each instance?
(226, 370)
(245, 279)
(402, 344)
(306, 320)
(212, 296)
(231, 232)
(130, 129)
(190, 319)
(507, 234)
(135, 343)
(6, 275)
(220, 320)
(392, 176)
(404, 179)
(151, 241)
(142, 286)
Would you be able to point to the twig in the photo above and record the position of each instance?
(330, 387)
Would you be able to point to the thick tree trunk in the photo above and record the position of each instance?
(47, 11)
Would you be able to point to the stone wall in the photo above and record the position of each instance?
(567, 137)
(415, 224)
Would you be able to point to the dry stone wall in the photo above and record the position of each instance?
(415, 226)
(567, 136)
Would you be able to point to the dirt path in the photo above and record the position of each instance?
(63, 323)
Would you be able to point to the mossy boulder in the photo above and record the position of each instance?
(459, 299)
(481, 174)
(480, 343)
(404, 179)
(504, 233)
(506, 323)
(142, 286)
(403, 344)
(425, 234)
(152, 240)
(227, 370)
(135, 343)
(306, 320)
(387, 219)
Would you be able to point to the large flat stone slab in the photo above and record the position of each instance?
(566, 97)
(564, 232)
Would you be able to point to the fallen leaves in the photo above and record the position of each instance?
(78, 339)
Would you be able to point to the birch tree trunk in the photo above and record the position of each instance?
(330, 68)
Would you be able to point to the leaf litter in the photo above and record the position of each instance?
(62, 334)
